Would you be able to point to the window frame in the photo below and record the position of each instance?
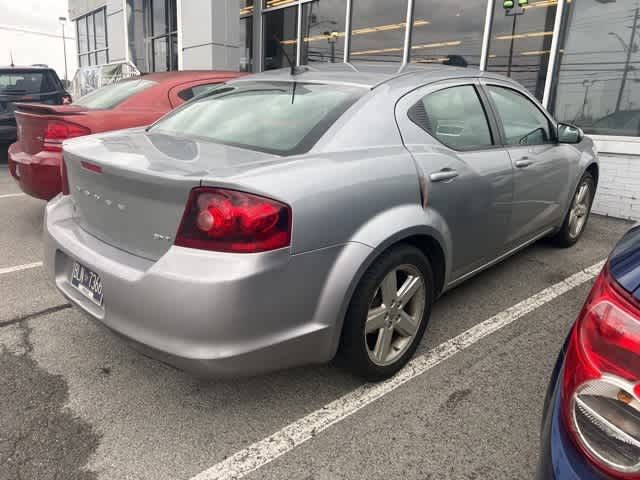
(86, 51)
(428, 89)
(167, 35)
(553, 125)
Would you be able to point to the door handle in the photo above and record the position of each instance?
(523, 162)
(444, 175)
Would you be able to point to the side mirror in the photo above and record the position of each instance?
(568, 133)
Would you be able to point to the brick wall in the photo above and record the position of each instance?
(618, 192)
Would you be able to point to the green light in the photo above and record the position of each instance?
(523, 3)
(508, 4)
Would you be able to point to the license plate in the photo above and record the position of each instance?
(87, 282)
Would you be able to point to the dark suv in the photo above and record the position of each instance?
(26, 84)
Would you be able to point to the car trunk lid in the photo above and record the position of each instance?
(130, 188)
(32, 120)
(624, 262)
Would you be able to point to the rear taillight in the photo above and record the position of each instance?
(231, 221)
(58, 130)
(66, 99)
(601, 380)
(64, 178)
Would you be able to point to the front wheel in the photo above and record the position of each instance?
(578, 214)
(388, 314)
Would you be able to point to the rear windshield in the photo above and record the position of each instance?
(28, 82)
(284, 118)
(111, 95)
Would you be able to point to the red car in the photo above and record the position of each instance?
(34, 159)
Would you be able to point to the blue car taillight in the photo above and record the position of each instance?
(601, 380)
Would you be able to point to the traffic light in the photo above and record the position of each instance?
(523, 3)
(507, 4)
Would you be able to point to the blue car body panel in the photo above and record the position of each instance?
(559, 458)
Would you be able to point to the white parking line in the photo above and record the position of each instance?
(10, 195)
(295, 434)
(17, 268)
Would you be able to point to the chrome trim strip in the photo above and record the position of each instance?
(498, 259)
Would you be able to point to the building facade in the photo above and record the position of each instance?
(579, 57)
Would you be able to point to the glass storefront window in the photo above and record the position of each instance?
(164, 40)
(280, 25)
(92, 39)
(598, 81)
(448, 31)
(246, 44)
(521, 41)
(378, 30)
(277, 3)
(323, 25)
(246, 7)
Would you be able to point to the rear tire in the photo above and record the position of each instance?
(388, 314)
(575, 222)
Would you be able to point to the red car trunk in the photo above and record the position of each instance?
(33, 121)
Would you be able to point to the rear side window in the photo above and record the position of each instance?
(188, 93)
(112, 95)
(28, 82)
(522, 121)
(284, 118)
(454, 116)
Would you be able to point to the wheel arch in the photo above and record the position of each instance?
(425, 239)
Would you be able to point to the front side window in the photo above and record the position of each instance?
(284, 118)
(111, 95)
(523, 122)
(454, 116)
(91, 32)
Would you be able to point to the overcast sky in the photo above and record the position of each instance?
(44, 44)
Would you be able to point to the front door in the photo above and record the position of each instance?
(542, 167)
(467, 176)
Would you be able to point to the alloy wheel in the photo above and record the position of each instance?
(395, 314)
(580, 209)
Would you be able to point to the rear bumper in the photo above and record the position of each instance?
(37, 175)
(213, 314)
(559, 458)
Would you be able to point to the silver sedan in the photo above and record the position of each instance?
(290, 218)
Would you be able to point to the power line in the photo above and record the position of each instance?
(34, 32)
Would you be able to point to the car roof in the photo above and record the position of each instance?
(371, 75)
(24, 67)
(186, 75)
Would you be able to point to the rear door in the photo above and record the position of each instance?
(542, 167)
(466, 172)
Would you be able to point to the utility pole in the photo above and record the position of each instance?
(627, 64)
(64, 49)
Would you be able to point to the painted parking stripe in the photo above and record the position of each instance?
(295, 434)
(18, 268)
(11, 195)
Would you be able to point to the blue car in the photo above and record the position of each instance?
(591, 416)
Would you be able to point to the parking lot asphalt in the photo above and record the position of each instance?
(77, 403)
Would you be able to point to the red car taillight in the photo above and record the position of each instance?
(64, 179)
(601, 380)
(231, 221)
(59, 130)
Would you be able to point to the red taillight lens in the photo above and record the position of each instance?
(231, 221)
(64, 179)
(58, 130)
(601, 380)
(66, 99)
